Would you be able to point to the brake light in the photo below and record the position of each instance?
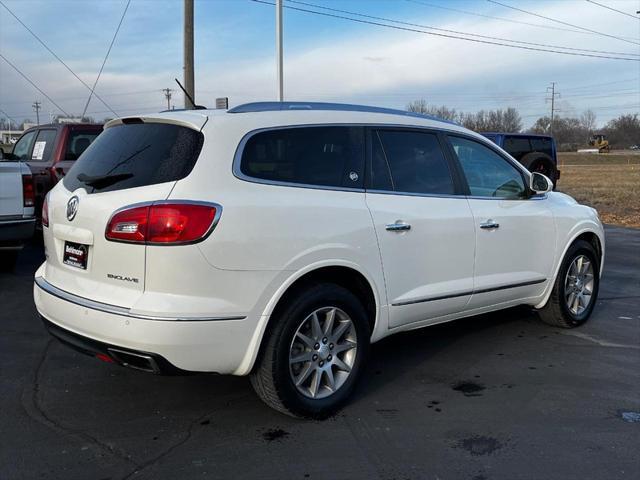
(28, 192)
(45, 211)
(168, 223)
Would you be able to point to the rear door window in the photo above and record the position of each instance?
(409, 162)
(78, 142)
(135, 155)
(322, 156)
(22, 149)
(43, 147)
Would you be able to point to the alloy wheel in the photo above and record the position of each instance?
(579, 284)
(323, 352)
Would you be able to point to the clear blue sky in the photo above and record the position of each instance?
(326, 59)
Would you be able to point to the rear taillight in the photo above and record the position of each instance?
(166, 223)
(28, 193)
(45, 211)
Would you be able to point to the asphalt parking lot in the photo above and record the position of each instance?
(499, 396)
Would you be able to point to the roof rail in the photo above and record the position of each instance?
(343, 107)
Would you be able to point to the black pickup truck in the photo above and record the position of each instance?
(536, 152)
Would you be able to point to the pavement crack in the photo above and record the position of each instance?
(32, 405)
(189, 432)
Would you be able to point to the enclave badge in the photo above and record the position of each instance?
(72, 207)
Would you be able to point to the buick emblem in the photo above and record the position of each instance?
(72, 207)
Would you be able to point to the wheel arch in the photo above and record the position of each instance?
(595, 238)
(345, 274)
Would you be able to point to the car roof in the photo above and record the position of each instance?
(270, 114)
(539, 135)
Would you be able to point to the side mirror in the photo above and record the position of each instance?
(540, 183)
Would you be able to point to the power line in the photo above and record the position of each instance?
(11, 119)
(407, 29)
(475, 14)
(561, 22)
(54, 54)
(458, 32)
(106, 57)
(635, 79)
(613, 9)
(33, 84)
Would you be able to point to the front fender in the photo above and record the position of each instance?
(585, 226)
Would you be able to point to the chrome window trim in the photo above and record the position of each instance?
(237, 158)
(117, 310)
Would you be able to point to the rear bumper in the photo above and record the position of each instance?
(214, 346)
(145, 361)
(15, 232)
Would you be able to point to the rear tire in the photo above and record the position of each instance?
(332, 351)
(575, 291)
(541, 163)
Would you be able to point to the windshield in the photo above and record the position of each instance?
(135, 155)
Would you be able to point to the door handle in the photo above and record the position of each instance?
(489, 224)
(399, 226)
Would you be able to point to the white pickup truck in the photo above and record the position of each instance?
(17, 219)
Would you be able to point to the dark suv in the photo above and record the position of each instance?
(536, 152)
(50, 151)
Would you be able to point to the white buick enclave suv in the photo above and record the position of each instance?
(278, 240)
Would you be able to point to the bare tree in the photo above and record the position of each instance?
(443, 112)
(588, 121)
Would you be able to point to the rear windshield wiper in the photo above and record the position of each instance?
(102, 181)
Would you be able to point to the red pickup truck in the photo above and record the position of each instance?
(50, 150)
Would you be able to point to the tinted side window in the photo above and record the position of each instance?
(77, 143)
(134, 155)
(414, 163)
(324, 156)
(42, 149)
(22, 148)
(487, 173)
(517, 146)
(542, 145)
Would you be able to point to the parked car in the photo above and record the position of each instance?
(634, 147)
(278, 240)
(50, 150)
(17, 218)
(536, 152)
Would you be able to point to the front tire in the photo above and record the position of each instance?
(575, 291)
(314, 353)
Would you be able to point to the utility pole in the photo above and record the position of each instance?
(37, 106)
(167, 95)
(188, 55)
(279, 50)
(552, 98)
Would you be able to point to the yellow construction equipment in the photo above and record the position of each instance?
(599, 141)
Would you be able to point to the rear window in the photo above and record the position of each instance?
(135, 155)
(78, 142)
(323, 156)
(543, 145)
(517, 147)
